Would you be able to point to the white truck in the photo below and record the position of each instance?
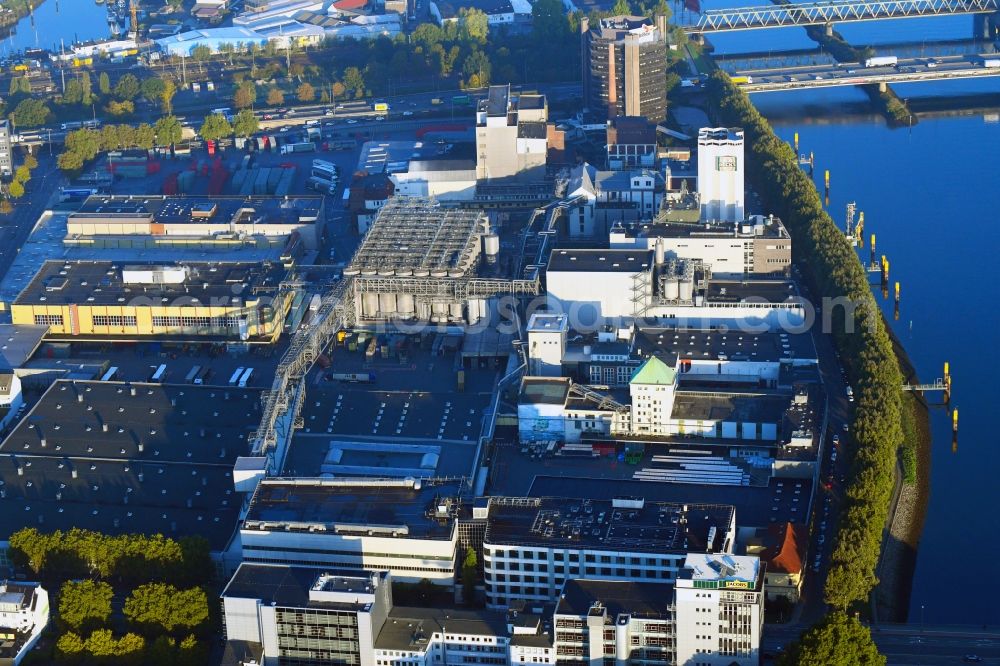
(991, 63)
(882, 61)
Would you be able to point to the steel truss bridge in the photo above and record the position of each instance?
(828, 13)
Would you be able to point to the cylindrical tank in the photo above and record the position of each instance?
(421, 272)
(386, 272)
(455, 311)
(491, 246)
(439, 311)
(369, 304)
(423, 311)
(687, 290)
(387, 303)
(404, 272)
(439, 273)
(456, 273)
(483, 307)
(671, 289)
(351, 271)
(404, 304)
(369, 271)
(661, 252)
(472, 312)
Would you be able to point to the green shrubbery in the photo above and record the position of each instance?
(834, 271)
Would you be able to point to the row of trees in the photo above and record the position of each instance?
(22, 175)
(153, 608)
(128, 558)
(832, 267)
(83, 145)
(130, 649)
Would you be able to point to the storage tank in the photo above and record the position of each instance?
(369, 272)
(491, 246)
(439, 273)
(455, 313)
(351, 271)
(423, 311)
(661, 252)
(387, 304)
(404, 272)
(421, 272)
(671, 289)
(456, 272)
(472, 312)
(404, 303)
(439, 312)
(369, 305)
(687, 290)
(386, 272)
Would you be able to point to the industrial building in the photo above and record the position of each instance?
(721, 174)
(24, 614)
(662, 623)
(610, 198)
(277, 613)
(757, 246)
(511, 135)
(422, 261)
(407, 527)
(532, 546)
(631, 143)
(6, 152)
(119, 458)
(200, 217)
(624, 67)
(102, 299)
(598, 287)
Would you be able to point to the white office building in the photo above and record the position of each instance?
(720, 610)
(720, 174)
(532, 546)
(546, 344)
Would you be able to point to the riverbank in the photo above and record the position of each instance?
(898, 561)
(14, 11)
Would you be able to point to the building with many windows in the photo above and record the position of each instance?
(6, 154)
(103, 299)
(624, 67)
(511, 135)
(720, 610)
(405, 526)
(532, 546)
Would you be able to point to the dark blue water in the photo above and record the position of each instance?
(928, 193)
(55, 20)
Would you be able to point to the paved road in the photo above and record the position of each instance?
(18, 225)
(911, 645)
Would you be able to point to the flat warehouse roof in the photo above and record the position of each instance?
(617, 596)
(602, 261)
(400, 509)
(714, 344)
(407, 628)
(299, 209)
(120, 458)
(555, 522)
(722, 406)
(125, 284)
(289, 586)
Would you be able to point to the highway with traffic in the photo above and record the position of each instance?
(849, 74)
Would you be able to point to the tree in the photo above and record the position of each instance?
(70, 162)
(621, 7)
(168, 131)
(85, 604)
(245, 123)
(470, 574)
(305, 92)
(296, 71)
(86, 88)
(275, 97)
(6, 207)
(162, 652)
(73, 93)
(167, 96)
(145, 136)
(191, 651)
(548, 21)
(838, 640)
(201, 53)
(30, 161)
(22, 174)
(85, 142)
(338, 90)
(123, 108)
(215, 127)
(354, 81)
(127, 87)
(70, 648)
(104, 83)
(163, 606)
(475, 23)
(30, 113)
(245, 95)
(477, 68)
(152, 88)
(15, 190)
(15, 85)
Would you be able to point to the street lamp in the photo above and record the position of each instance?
(921, 618)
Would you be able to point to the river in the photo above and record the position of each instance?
(55, 20)
(928, 192)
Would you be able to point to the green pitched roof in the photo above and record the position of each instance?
(654, 371)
